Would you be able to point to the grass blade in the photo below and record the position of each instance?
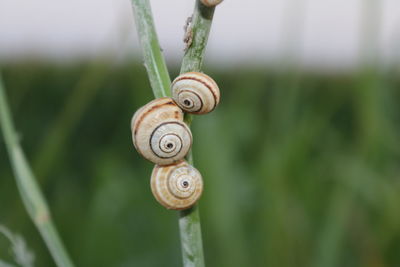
(30, 192)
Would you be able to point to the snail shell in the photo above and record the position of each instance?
(211, 3)
(195, 92)
(159, 133)
(176, 186)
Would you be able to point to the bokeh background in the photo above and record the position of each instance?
(300, 160)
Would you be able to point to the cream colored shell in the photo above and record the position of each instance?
(159, 133)
(211, 3)
(176, 186)
(195, 92)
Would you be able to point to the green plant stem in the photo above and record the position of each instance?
(200, 26)
(193, 59)
(189, 220)
(153, 58)
(30, 192)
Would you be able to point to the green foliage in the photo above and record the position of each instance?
(300, 169)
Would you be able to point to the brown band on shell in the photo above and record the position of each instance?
(152, 134)
(139, 120)
(161, 120)
(199, 97)
(163, 182)
(206, 82)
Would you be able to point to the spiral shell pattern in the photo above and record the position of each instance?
(195, 92)
(211, 3)
(159, 133)
(177, 186)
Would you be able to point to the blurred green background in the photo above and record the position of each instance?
(300, 168)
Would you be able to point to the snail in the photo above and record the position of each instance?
(195, 92)
(159, 133)
(177, 186)
(211, 3)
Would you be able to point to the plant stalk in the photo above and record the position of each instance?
(29, 190)
(189, 220)
(152, 55)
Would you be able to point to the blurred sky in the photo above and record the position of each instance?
(320, 33)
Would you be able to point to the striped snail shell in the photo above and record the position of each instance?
(195, 92)
(177, 186)
(159, 133)
(211, 3)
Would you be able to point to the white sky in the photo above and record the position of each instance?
(318, 32)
